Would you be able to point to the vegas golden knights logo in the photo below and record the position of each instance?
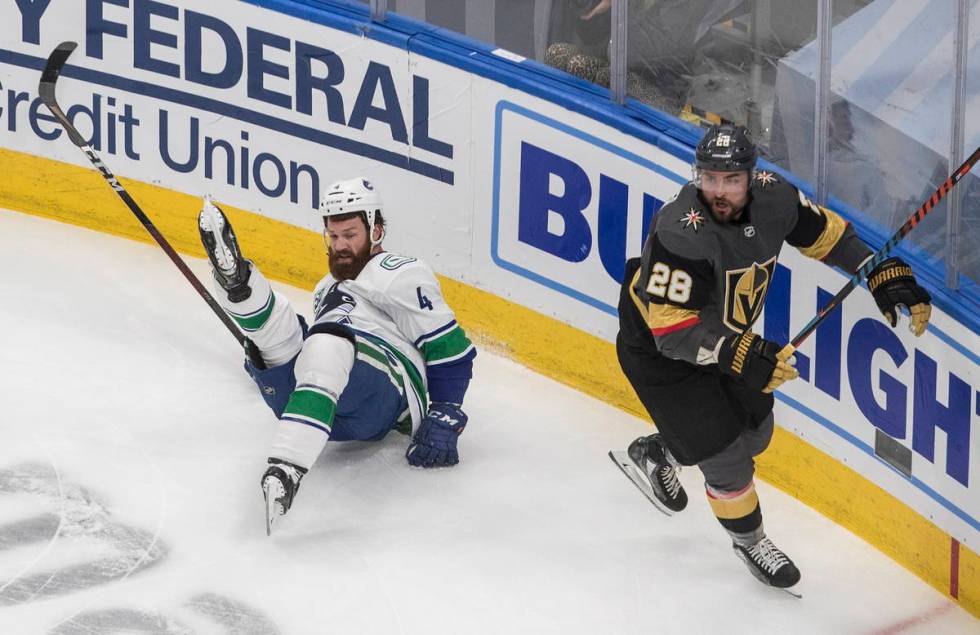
(745, 293)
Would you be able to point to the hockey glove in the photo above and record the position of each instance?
(893, 285)
(434, 443)
(761, 364)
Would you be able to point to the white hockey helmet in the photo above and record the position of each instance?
(354, 196)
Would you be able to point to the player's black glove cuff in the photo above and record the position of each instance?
(749, 357)
(892, 284)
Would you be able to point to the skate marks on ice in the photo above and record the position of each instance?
(236, 616)
(79, 547)
(73, 521)
(120, 621)
(229, 615)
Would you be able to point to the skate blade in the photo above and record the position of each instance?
(273, 509)
(622, 460)
(790, 590)
(213, 223)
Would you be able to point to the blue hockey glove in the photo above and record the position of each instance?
(434, 443)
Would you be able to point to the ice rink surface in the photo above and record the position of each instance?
(131, 450)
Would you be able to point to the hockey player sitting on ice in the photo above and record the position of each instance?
(685, 341)
(384, 350)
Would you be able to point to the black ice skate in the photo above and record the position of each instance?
(279, 486)
(651, 468)
(230, 269)
(768, 564)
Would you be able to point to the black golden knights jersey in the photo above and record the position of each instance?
(700, 280)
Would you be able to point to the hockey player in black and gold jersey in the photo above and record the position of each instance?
(686, 343)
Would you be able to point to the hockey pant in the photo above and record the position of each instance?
(698, 410)
(315, 383)
(710, 420)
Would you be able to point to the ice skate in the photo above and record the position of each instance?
(279, 486)
(650, 455)
(649, 465)
(230, 269)
(768, 564)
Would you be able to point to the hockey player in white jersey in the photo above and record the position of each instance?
(384, 350)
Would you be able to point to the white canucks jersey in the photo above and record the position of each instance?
(401, 321)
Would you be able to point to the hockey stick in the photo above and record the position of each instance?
(46, 89)
(882, 253)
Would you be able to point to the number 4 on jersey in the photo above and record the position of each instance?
(424, 302)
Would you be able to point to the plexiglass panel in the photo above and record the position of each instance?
(725, 60)
(892, 83)
(520, 26)
(755, 62)
(969, 225)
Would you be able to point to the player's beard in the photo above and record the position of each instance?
(347, 264)
(723, 209)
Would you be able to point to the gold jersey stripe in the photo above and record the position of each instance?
(660, 316)
(831, 233)
(640, 306)
(664, 316)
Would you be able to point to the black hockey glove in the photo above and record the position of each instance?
(893, 285)
(434, 443)
(761, 364)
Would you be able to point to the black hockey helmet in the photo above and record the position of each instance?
(726, 147)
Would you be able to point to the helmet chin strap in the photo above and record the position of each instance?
(375, 243)
(369, 217)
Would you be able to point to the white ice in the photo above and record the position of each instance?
(131, 445)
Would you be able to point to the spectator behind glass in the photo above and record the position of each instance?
(663, 45)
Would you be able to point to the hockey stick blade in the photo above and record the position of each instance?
(49, 77)
(622, 460)
(46, 89)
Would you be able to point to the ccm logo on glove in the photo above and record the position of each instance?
(434, 443)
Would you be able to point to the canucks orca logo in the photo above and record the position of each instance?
(336, 299)
(745, 294)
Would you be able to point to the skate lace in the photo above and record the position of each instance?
(668, 478)
(291, 472)
(767, 555)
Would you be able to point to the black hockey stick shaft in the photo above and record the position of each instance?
(882, 253)
(46, 89)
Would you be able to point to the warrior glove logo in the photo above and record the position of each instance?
(745, 294)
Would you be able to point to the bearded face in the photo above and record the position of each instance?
(348, 247)
(726, 193)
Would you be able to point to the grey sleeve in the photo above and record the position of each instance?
(696, 344)
(849, 252)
